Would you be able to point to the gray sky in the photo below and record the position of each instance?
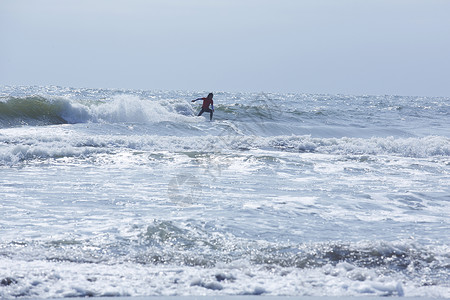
(313, 46)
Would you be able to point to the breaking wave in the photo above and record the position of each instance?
(38, 110)
(34, 146)
(32, 111)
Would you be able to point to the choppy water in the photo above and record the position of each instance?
(112, 192)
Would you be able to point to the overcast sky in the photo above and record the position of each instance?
(313, 46)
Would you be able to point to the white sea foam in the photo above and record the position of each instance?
(54, 278)
(128, 109)
(42, 143)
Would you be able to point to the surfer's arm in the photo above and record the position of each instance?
(197, 99)
(212, 106)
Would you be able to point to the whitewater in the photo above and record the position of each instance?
(109, 192)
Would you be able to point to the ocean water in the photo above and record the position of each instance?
(129, 193)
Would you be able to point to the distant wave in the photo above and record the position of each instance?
(407, 147)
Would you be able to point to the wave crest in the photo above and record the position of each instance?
(38, 110)
(33, 110)
(41, 145)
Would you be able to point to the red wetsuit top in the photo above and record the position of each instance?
(206, 103)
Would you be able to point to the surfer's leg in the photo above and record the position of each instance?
(210, 114)
(200, 113)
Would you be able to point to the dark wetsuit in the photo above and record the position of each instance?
(205, 107)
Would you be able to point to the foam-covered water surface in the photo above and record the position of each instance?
(129, 193)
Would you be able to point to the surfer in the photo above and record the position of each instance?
(205, 106)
